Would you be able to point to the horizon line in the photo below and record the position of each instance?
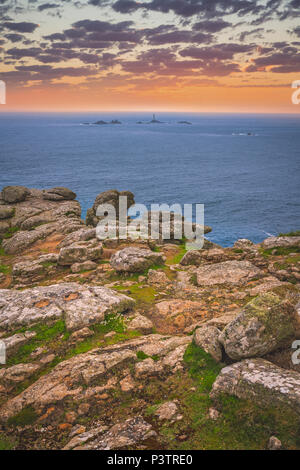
(59, 111)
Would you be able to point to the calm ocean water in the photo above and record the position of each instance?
(250, 185)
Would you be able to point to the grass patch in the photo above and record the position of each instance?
(11, 232)
(4, 269)
(178, 257)
(282, 251)
(45, 334)
(112, 323)
(26, 417)
(242, 424)
(202, 367)
(142, 356)
(6, 443)
(141, 293)
(287, 262)
(48, 264)
(290, 234)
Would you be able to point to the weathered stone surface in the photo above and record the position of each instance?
(79, 306)
(217, 322)
(148, 368)
(86, 266)
(140, 323)
(266, 285)
(208, 253)
(121, 435)
(108, 197)
(261, 382)
(85, 437)
(78, 376)
(34, 269)
(82, 235)
(80, 252)
(12, 375)
(243, 244)
(59, 194)
(37, 218)
(23, 239)
(192, 258)
(134, 260)
(264, 325)
(157, 278)
(167, 411)
(13, 194)
(4, 227)
(207, 338)
(12, 343)
(280, 242)
(6, 212)
(229, 272)
(82, 334)
(180, 313)
(274, 443)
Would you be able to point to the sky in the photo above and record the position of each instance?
(151, 55)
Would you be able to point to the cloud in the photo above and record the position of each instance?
(211, 26)
(14, 37)
(47, 6)
(188, 8)
(23, 27)
(220, 51)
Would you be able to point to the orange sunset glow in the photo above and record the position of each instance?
(192, 55)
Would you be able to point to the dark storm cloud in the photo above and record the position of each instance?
(14, 37)
(220, 51)
(165, 62)
(22, 27)
(24, 74)
(187, 8)
(285, 60)
(211, 26)
(47, 6)
(297, 31)
(178, 36)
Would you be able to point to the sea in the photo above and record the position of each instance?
(245, 169)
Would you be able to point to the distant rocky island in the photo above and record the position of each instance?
(116, 121)
(103, 123)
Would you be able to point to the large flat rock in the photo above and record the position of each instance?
(229, 272)
(135, 260)
(261, 382)
(80, 306)
(264, 325)
(281, 242)
(79, 376)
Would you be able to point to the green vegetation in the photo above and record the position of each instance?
(26, 417)
(6, 443)
(11, 232)
(48, 264)
(2, 252)
(290, 234)
(178, 257)
(45, 335)
(282, 251)
(112, 322)
(241, 424)
(4, 269)
(142, 356)
(141, 293)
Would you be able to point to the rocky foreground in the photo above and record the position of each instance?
(140, 344)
